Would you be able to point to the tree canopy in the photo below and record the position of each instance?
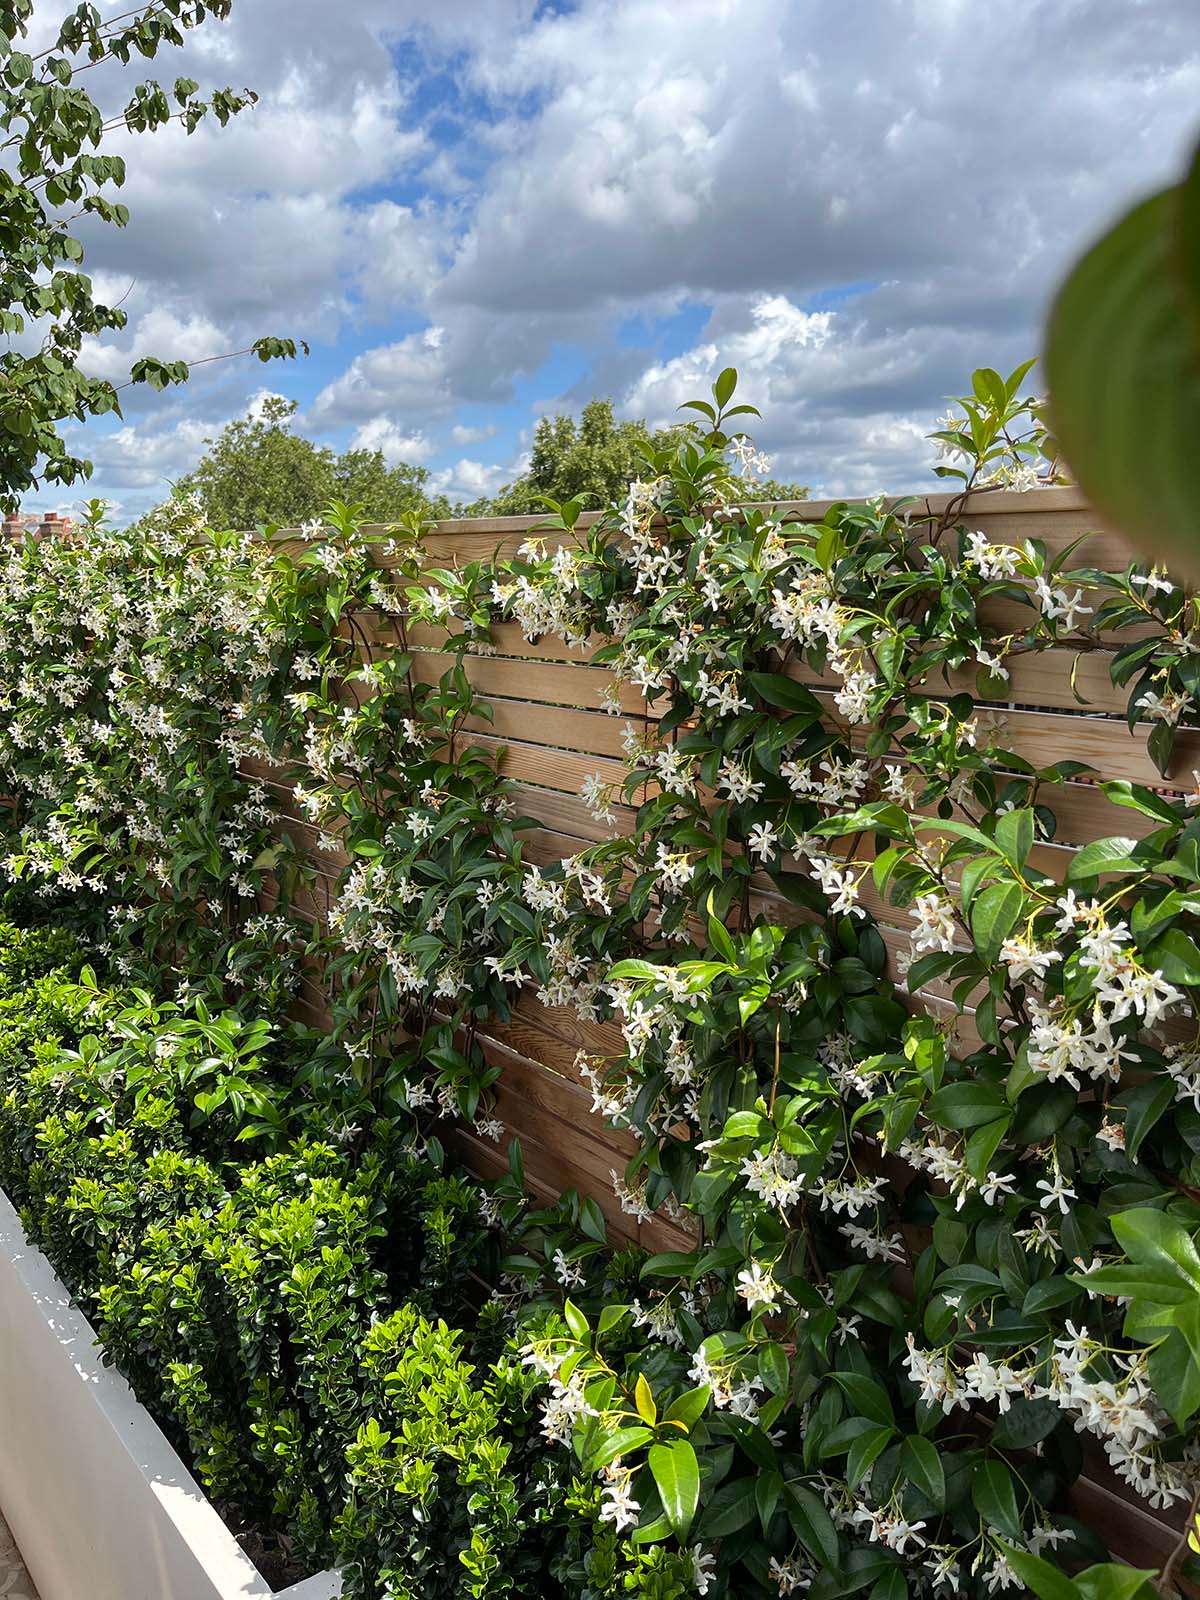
(54, 172)
(258, 470)
(595, 456)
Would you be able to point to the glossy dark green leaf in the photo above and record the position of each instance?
(1123, 363)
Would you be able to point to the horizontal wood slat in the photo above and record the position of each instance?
(549, 733)
(1056, 516)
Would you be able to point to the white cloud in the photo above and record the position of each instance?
(470, 480)
(408, 376)
(464, 435)
(170, 334)
(149, 457)
(381, 433)
(863, 209)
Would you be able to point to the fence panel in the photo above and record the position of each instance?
(548, 732)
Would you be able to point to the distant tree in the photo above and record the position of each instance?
(594, 456)
(257, 470)
(54, 171)
(363, 477)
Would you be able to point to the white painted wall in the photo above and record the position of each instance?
(100, 1505)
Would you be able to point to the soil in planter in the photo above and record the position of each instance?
(270, 1552)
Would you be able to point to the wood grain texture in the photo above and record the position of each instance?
(548, 733)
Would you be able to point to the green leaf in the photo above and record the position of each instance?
(1176, 957)
(1038, 1575)
(869, 1399)
(718, 936)
(773, 1367)
(689, 1407)
(1137, 1283)
(995, 912)
(1152, 1238)
(576, 1320)
(1175, 1376)
(746, 1125)
(677, 1474)
(619, 1443)
(1144, 1106)
(1123, 793)
(643, 1399)
(968, 1104)
(995, 1498)
(920, 1460)
(1026, 1423)
(785, 693)
(729, 1510)
(1123, 364)
(811, 1523)
(864, 1451)
(983, 1144)
(1014, 835)
(725, 385)
(767, 1489)
(1104, 855)
(610, 1317)
(1112, 1580)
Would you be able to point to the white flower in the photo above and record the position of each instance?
(1166, 708)
(762, 841)
(1000, 1576)
(989, 1382)
(567, 1273)
(619, 1506)
(757, 1287)
(853, 699)
(935, 928)
(788, 1576)
(1057, 1192)
(771, 1175)
(597, 797)
(1057, 604)
(1112, 1134)
(839, 884)
(993, 560)
(995, 1186)
(737, 783)
(936, 1378)
(566, 1403)
(1024, 959)
(1155, 581)
(703, 1562)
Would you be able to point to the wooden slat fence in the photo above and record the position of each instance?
(549, 734)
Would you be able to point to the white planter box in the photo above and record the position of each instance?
(98, 1502)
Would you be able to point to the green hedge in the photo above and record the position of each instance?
(258, 1305)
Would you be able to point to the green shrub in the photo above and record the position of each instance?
(251, 1302)
(445, 1498)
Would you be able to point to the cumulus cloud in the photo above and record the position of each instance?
(381, 433)
(408, 376)
(469, 435)
(855, 205)
(845, 403)
(466, 480)
(149, 457)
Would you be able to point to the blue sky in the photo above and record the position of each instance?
(488, 209)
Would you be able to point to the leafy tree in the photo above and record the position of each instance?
(52, 174)
(363, 477)
(594, 456)
(257, 470)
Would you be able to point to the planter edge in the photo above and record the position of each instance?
(97, 1500)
